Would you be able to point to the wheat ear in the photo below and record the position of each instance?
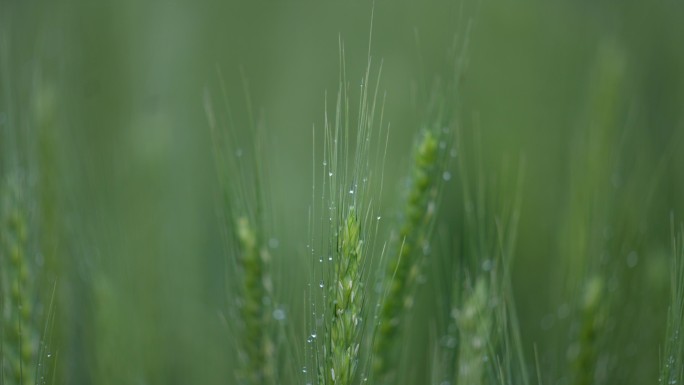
(402, 269)
(19, 332)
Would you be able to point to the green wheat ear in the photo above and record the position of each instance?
(672, 367)
(242, 201)
(19, 334)
(474, 321)
(592, 320)
(257, 344)
(402, 267)
(348, 293)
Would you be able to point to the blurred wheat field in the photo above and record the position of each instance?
(443, 192)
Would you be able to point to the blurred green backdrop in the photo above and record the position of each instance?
(106, 100)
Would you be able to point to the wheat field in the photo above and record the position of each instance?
(341, 192)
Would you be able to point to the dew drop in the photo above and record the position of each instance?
(487, 265)
(330, 173)
(279, 314)
(446, 176)
(321, 285)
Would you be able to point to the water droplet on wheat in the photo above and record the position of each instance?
(487, 265)
(446, 176)
(279, 314)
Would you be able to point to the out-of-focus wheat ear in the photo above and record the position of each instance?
(19, 332)
(474, 320)
(258, 348)
(591, 324)
(672, 365)
(242, 188)
(403, 265)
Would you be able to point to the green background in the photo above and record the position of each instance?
(106, 99)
